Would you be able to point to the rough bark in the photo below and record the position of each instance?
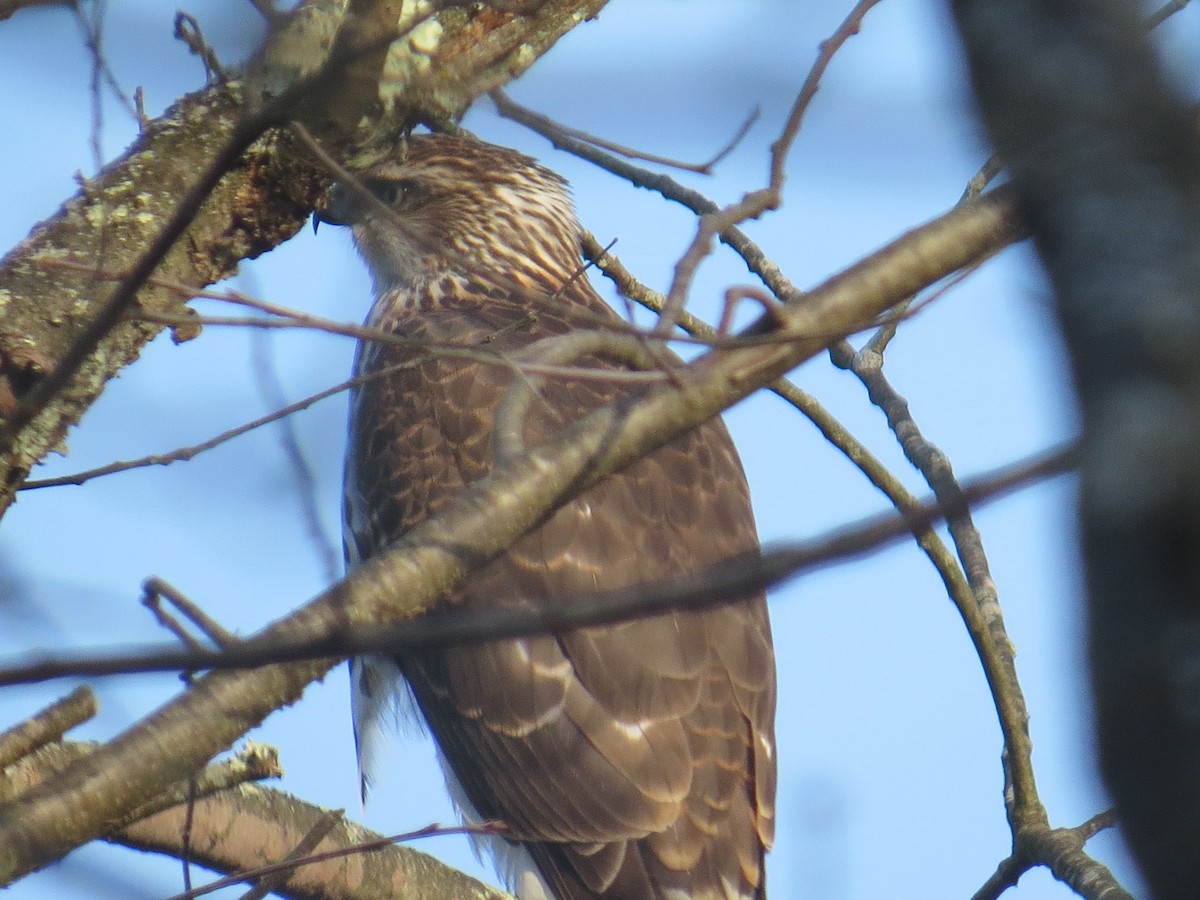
(57, 282)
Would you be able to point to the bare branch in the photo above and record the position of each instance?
(755, 203)
(8, 7)
(236, 827)
(981, 610)
(268, 882)
(1165, 12)
(547, 125)
(697, 590)
(440, 879)
(47, 726)
(1061, 851)
(155, 590)
(187, 30)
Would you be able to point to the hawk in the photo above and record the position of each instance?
(629, 761)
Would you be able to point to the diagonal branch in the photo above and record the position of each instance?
(726, 580)
(109, 223)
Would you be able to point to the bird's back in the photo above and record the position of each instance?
(637, 758)
(632, 761)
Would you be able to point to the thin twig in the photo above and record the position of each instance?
(754, 203)
(503, 103)
(155, 589)
(187, 30)
(186, 453)
(467, 352)
(849, 27)
(189, 820)
(298, 855)
(981, 179)
(1100, 822)
(982, 615)
(906, 310)
(92, 27)
(696, 590)
(434, 830)
(756, 260)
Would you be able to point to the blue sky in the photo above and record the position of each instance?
(890, 753)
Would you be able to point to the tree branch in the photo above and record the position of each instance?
(247, 828)
(730, 578)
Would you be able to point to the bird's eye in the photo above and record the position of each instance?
(392, 192)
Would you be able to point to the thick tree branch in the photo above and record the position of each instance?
(250, 826)
(237, 827)
(45, 308)
(1106, 163)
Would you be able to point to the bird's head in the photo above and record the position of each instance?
(445, 205)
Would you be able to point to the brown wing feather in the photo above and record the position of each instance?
(630, 756)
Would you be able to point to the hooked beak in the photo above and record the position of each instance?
(339, 208)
